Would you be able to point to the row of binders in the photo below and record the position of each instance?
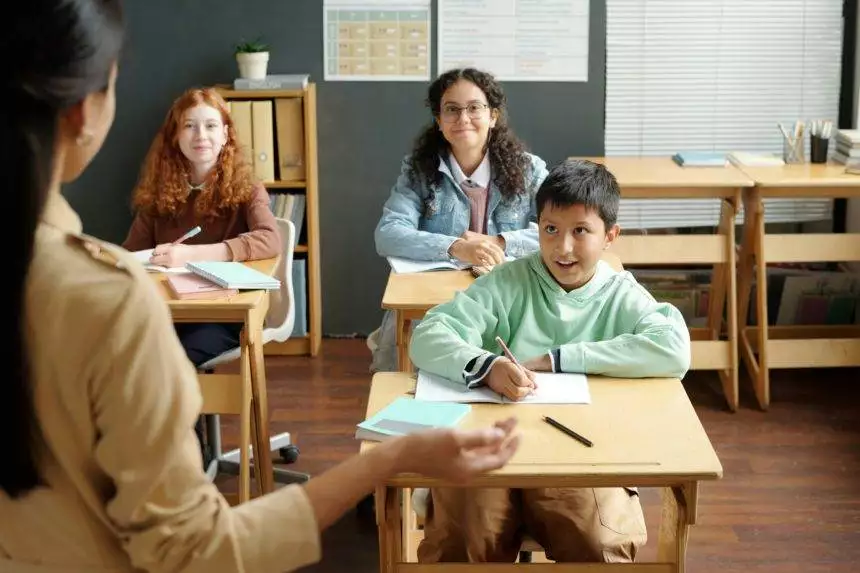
(258, 123)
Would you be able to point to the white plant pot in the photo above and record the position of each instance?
(252, 65)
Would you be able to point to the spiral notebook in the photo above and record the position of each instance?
(229, 274)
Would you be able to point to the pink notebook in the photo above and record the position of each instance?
(190, 287)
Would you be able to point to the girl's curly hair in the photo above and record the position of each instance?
(508, 160)
(163, 188)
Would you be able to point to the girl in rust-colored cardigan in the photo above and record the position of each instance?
(195, 175)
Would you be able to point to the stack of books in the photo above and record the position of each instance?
(847, 149)
(273, 82)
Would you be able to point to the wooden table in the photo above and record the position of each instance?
(764, 347)
(645, 433)
(248, 308)
(411, 295)
(714, 347)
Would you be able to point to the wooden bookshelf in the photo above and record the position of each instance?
(309, 249)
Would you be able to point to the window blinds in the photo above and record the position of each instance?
(717, 75)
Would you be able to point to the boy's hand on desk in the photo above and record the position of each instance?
(477, 249)
(170, 255)
(510, 380)
(540, 363)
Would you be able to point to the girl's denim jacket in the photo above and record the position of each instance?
(422, 221)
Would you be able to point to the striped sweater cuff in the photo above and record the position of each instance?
(478, 368)
(555, 359)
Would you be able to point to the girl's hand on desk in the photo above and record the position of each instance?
(472, 236)
(170, 255)
(510, 380)
(477, 250)
(457, 455)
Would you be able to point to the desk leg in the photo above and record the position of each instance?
(723, 288)
(404, 327)
(753, 263)
(389, 526)
(262, 448)
(409, 526)
(246, 430)
(679, 512)
(762, 380)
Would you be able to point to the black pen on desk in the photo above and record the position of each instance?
(568, 431)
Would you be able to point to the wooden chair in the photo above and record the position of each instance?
(221, 395)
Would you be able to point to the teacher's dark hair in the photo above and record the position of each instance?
(63, 51)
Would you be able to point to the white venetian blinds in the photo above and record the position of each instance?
(717, 75)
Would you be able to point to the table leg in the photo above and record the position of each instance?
(404, 327)
(723, 288)
(388, 520)
(262, 453)
(677, 516)
(762, 378)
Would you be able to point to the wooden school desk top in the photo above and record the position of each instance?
(645, 432)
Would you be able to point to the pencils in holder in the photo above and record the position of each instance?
(793, 149)
(819, 140)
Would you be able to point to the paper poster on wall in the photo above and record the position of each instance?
(376, 40)
(516, 40)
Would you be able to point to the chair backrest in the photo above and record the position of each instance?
(282, 303)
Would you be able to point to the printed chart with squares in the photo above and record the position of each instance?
(367, 44)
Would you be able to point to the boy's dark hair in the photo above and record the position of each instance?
(581, 182)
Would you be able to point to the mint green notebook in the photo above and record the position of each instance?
(406, 416)
(229, 274)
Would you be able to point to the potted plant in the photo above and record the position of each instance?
(253, 60)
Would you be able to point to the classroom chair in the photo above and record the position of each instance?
(279, 326)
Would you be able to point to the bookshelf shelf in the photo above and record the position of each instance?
(285, 184)
(272, 140)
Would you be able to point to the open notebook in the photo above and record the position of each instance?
(144, 256)
(401, 266)
(552, 389)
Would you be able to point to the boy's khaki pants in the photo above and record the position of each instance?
(572, 525)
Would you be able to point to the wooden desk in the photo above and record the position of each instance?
(657, 442)
(411, 295)
(662, 178)
(249, 308)
(765, 347)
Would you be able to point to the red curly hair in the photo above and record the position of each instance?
(163, 188)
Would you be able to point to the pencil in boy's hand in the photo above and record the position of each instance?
(508, 352)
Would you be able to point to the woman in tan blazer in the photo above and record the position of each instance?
(100, 469)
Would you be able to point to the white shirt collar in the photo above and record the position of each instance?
(480, 177)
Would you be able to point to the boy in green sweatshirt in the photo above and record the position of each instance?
(561, 310)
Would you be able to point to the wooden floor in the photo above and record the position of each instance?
(789, 501)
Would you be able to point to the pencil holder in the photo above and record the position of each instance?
(818, 149)
(793, 150)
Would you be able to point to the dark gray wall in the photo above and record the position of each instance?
(364, 127)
